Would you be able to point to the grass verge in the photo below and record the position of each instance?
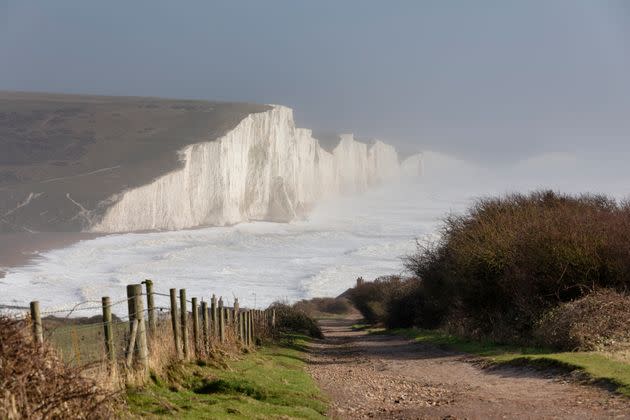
(269, 383)
(597, 366)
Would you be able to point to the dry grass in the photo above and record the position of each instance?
(163, 354)
(622, 356)
(35, 383)
(600, 321)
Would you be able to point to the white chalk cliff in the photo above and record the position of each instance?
(264, 169)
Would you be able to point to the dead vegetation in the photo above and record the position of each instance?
(294, 320)
(543, 269)
(596, 322)
(318, 307)
(35, 383)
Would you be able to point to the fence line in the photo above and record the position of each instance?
(199, 327)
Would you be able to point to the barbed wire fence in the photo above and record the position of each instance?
(158, 326)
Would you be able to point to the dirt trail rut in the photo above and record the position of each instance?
(391, 377)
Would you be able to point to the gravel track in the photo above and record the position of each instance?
(383, 376)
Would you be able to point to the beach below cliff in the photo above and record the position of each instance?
(19, 249)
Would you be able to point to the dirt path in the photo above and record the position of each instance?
(391, 377)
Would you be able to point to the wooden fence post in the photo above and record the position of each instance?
(266, 321)
(213, 316)
(245, 328)
(221, 321)
(132, 342)
(36, 323)
(253, 328)
(253, 332)
(175, 322)
(136, 312)
(204, 325)
(195, 319)
(239, 327)
(236, 310)
(184, 322)
(263, 319)
(108, 331)
(148, 284)
(249, 327)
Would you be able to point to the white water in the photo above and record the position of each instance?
(343, 238)
(322, 256)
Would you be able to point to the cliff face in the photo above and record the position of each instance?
(263, 169)
(63, 157)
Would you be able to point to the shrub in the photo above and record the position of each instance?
(410, 305)
(292, 320)
(395, 301)
(320, 306)
(372, 298)
(598, 321)
(35, 383)
(509, 260)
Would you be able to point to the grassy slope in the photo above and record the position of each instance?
(596, 365)
(58, 144)
(269, 383)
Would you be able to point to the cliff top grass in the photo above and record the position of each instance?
(58, 144)
(610, 368)
(269, 383)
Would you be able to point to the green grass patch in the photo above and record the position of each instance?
(598, 366)
(269, 383)
(360, 327)
(80, 344)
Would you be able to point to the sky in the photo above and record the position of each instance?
(488, 81)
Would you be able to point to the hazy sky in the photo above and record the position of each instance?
(482, 79)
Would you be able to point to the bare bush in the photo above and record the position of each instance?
(599, 321)
(396, 302)
(509, 260)
(409, 305)
(322, 306)
(372, 298)
(290, 319)
(35, 383)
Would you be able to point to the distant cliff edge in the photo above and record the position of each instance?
(113, 164)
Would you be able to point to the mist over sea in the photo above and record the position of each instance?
(260, 262)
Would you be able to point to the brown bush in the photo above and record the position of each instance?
(321, 306)
(598, 321)
(290, 319)
(35, 383)
(397, 302)
(508, 260)
(372, 298)
(410, 304)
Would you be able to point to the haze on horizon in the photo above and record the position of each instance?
(501, 95)
(491, 81)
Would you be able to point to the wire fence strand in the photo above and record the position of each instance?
(83, 340)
